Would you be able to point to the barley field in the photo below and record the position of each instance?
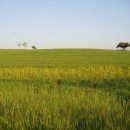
(64, 89)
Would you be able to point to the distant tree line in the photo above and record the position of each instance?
(24, 44)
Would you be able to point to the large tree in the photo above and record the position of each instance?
(123, 45)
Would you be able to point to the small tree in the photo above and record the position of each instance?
(34, 47)
(24, 44)
(19, 44)
(123, 45)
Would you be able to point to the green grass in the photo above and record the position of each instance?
(63, 57)
(46, 104)
(64, 89)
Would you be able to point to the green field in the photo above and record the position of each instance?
(63, 57)
(64, 89)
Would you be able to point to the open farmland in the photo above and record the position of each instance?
(64, 89)
(63, 57)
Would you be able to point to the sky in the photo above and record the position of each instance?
(64, 23)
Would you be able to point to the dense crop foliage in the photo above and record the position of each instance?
(64, 89)
(65, 98)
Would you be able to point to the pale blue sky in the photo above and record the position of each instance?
(64, 23)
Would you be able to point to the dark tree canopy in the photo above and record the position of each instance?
(123, 45)
(34, 47)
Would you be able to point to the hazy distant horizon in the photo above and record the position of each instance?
(64, 24)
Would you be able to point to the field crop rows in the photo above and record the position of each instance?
(65, 98)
